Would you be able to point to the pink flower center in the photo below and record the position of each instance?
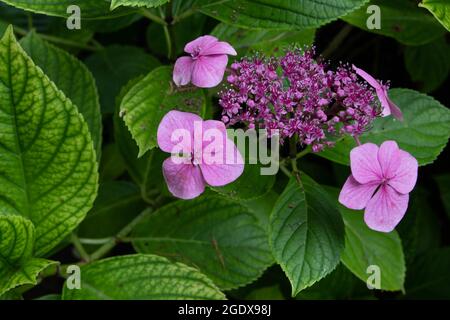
(196, 53)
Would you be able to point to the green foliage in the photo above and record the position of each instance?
(150, 99)
(277, 14)
(440, 9)
(429, 64)
(18, 266)
(414, 27)
(48, 170)
(114, 66)
(71, 77)
(137, 3)
(198, 233)
(140, 277)
(263, 40)
(89, 8)
(306, 233)
(365, 247)
(424, 132)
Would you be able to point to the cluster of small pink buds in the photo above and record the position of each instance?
(297, 95)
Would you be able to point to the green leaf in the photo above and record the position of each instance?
(219, 237)
(401, 20)
(424, 132)
(71, 77)
(145, 171)
(428, 277)
(48, 170)
(89, 8)
(365, 247)
(269, 42)
(277, 14)
(150, 99)
(340, 284)
(428, 65)
(114, 66)
(137, 3)
(440, 9)
(306, 233)
(142, 277)
(17, 264)
(443, 181)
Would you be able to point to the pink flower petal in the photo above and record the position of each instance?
(199, 44)
(219, 48)
(355, 195)
(385, 210)
(371, 80)
(222, 162)
(395, 110)
(405, 177)
(382, 96)
(364, 163)
(184, 181)
(208, 71)
(182, 72)
(388, 157)
(175, 120)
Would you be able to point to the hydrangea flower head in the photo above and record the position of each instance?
(381, 180)
(298, 96)
(206, 64)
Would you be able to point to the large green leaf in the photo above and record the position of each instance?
(440, 9)
(306, 233)
(114, 66)
(270, 42)
(89, 8)
(429, 64)
(365, 247)
(48, 170)
(221, 238)
(400, 19)
(424, 132)
(71, 77)
(150, 99)
(17, 264)
(277, 14)
(137, 3)
(142, 277)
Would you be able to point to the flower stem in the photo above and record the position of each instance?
(79, 247)
(104, 249)
(293, 157)
(303, 153)
(149, 15)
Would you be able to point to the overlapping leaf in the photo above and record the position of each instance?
(306, 233)
(400, 19)
(440, 9)
(221, 238)
(277, 14)
(17, 264)
(48, 168)
(72, 77)
(142, 277)
(137, 3)
(150, 99)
